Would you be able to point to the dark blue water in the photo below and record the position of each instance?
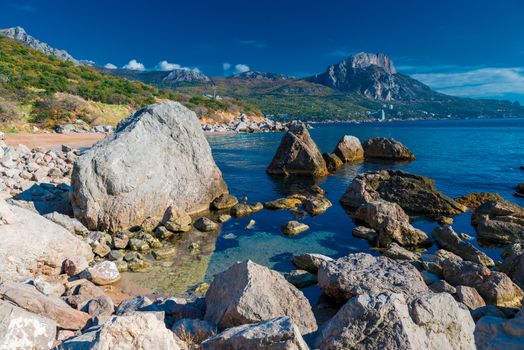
(461, 156)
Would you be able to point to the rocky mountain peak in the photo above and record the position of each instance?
(255, 75)
(185, 76)
(19, 34)
(364, 60)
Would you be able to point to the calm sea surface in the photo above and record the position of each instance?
(461, 156)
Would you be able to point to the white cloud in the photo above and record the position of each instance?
(480, 82)
(241, 68)
(166, 66)
(110, 66)
(196, 70)
(226, 66)
(135, 65)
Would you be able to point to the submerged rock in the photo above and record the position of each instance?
(316, 205)
(386, 148)
(164, 148)
(499, 221)
(362, 273)
(414, 193)
(298, 155)
(448, 239)
(349, 149)
(390, 321)
(391, 223)
(275, 334)
(234, 298)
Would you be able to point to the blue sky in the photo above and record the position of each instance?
(466, 48)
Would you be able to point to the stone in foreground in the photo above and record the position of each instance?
(250, 293)
(363, 273)
(298, 155)
(386, 148)
(156, 158)
(390, 321)
(275, 334)
(349, 149)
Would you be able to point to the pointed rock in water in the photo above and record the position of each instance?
(391, 223)
(165, 150)
(234, 296)
(298, 155)
(393, 321)
(277, 333)
(386, 148)
(292, 228)
(349, 149)
(499, 221)
(414, 193)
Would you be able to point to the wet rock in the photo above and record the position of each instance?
(161, 232)
(33, 238)
(105, 197)
(103, 273)
(363, 273)
(470, 297)
(386, 148)
(391, 223)
(493, 333)
(316, 205)
(473, 200)
(283, 203)
(365, 233)
(298, 155)
(176, 220)
(277, 333)
(390, 321)
(196, 330)
(292, 228)
(301, 278)
(21, 329)
(513, 264)
(29, 298)
(250, 224)
(139, 331)
(414, 193)
(233, 298)
(164, 253)
(333, 162)
(310, 262)
(495, 287)
(225, 201)
(206, 225)
(349, 149)
(499, 221)
(448, 239)
(395, 251)
(75, 265)
(244, 209)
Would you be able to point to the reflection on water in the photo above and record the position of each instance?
(462, 157)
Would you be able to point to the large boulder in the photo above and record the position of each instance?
(499, 221)
(137, 331)
(494, 333)
(298, 155)
(156, 158)
(415, 194)
(386, 148)
(29, 298)
(448, 239)
(20, 329)
(29, 238)
(391, 223)
(275, 334)
(349, 149)
(390, 321)
(362, 273)
(496, 288)
(250, 293)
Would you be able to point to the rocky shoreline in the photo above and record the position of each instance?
(71, 222)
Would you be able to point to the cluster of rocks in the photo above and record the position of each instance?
(81, 127)
(23, 168)
(244, 125)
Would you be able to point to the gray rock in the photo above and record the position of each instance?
(389, 321)
(100, 307)
(71, 224)
(448, 239)
(395, 251)
(499, 221)
(49, 286)
(494, 333)
(470, 297)
(138, 303)
(275, 334)
(386, 148)
(298, 155)
(234, 296)
(20, 329)
(163, 145)
(301, 278)
(363, 273)
(442, 286)
(349, 149)
(513, 264)
(391, 223)
(310, 262)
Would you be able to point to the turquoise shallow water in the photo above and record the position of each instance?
(462, 156)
